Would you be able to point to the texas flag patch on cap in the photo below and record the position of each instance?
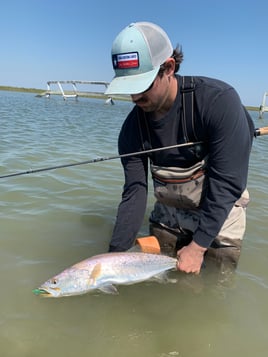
(126, 60)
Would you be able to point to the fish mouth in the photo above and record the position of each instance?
(42, 292)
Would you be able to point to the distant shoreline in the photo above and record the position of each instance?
(44, 92)
(21, 89)
(85, 94)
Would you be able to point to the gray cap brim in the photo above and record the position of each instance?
(132, 84)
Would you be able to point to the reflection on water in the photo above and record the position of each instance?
(53, 219)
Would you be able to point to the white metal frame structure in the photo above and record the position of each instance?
(75, 93)
(263, 106)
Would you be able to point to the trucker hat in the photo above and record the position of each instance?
(137, 53)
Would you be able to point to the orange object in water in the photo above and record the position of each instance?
(149, 244)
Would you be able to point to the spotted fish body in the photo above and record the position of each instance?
(102, 272)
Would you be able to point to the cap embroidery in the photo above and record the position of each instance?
(126, 60)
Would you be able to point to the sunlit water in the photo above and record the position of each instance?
(53, 219)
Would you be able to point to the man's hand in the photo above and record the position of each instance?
(190, 258)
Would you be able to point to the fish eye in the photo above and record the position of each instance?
(54, 282)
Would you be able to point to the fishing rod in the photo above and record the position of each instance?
(49, 168)
(257, 132)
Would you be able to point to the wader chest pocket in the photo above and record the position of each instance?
(179, 187)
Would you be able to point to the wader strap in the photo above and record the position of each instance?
(143, 129)
(187, 117)
(187, 113)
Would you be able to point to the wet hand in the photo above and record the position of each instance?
(190, 258)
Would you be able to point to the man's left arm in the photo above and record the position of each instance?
(229, 142)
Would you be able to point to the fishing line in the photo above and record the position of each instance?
(257, 132)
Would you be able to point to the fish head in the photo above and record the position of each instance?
(69, 282)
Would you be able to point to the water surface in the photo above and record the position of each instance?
(53, 219)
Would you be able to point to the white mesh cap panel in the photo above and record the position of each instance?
(157, 41)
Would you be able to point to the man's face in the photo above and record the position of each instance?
(157, 98)
(150, 98)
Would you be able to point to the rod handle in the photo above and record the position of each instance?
(149, 244)
(261, 131)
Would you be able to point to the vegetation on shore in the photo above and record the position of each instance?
(85, 94)
(21, 89)
(254, 109)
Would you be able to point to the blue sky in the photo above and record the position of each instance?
(64, 39)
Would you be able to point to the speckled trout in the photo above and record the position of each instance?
(103, 272)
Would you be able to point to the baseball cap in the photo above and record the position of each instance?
(137, 53)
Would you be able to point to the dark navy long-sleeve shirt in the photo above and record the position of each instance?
(225, 127)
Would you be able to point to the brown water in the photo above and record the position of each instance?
(54, 219)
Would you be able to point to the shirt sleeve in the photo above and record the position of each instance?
(229, 138)
(132, 207)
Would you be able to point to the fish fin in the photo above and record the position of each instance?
(109, 289)
(134, 249)
(163, 278)
(95, 274)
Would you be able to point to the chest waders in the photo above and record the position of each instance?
(182, 187)
(179, 191)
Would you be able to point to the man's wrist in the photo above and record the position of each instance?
(197, 247)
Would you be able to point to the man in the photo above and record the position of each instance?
(200, 185)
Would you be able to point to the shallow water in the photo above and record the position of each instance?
(53, 219)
